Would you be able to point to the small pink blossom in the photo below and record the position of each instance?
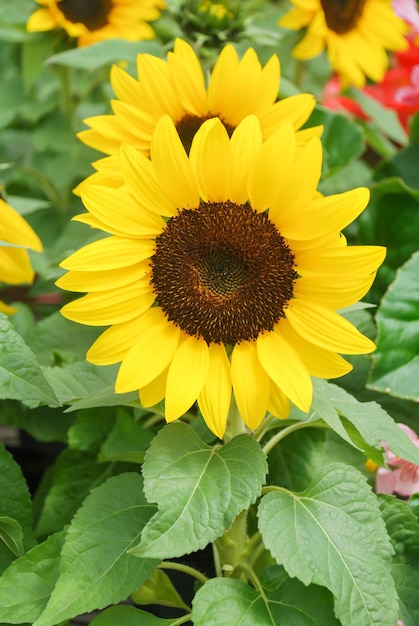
(401, 477)
(409, 95)
(408, 11)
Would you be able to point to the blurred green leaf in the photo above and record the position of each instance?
(392, 220)
(96, 568)
(104, 52)
(199, 490)
(396, 362)
(127, 441)
(332, 534)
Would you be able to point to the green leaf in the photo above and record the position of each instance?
(385, 119)
(159, 589)
(332, 535)
(396, 360)
(199, 490)
(392, 220)
(99, 54)
(282, 601)
(70, 480)
(129, 616)
(127, 442)
(372, 422)
(85, 385)
(95, 568)
(27, 584)
(341, 139)
(15, 510)
(11, 534)
(90, 429)
(404, 164)
(56, 340)
(403, 529)
(21, 377)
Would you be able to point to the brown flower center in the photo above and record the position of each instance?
(222, 272)
(92, 13)
(342, 16)
(188, 126)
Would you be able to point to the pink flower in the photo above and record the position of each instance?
(408, 11)
(401, 477)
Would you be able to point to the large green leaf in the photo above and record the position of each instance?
(25, 587)
(396, 361)
(95, 568)
(332, 534)
(371, 421)
(15, 510)
(281, 601)
(403, 529)
(70, 480)
(84, 385)
(199, 489)
(21, 377)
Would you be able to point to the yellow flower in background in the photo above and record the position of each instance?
(222, 273)
(15, 237)
(177, 88)
(356, 34)
(90, 21)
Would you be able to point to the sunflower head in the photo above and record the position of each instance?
(16, 237)
(212, 22)
(222, 273)
(95, 20)
(355, 34)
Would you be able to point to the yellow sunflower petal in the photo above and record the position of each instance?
(210, 157)
(246, 141)
(271, 164)
(6, 309)
(172, 167)
(251, 384)
(188, 78)
(101, 281)
(138, 173)
(109, 253)
(294, 109)
(154, 392)
(326, 329)
(284, 366)
(119, 210)
(319, 362)
(150, 353)
(279, 404)
(103, 308)
(41, 20)
(15, 266)
(215, 397)
(125, 86)
(15, 229)
(187, 374)
(158, 94)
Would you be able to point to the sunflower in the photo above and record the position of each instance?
(356, 33)
(222, 273)
(90, 21)
(177, 88)
(15, 237)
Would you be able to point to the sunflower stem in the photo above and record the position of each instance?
(186, 569)
(235, 425)
(271, 443)
(230, 547)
